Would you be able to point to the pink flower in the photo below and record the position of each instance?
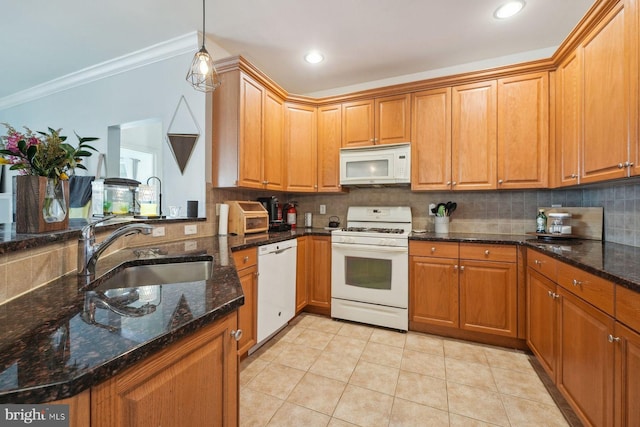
(12, 142)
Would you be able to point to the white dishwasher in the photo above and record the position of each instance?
(276, 287)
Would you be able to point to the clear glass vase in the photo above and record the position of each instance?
(54, 208)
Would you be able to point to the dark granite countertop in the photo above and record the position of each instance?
(50, 349)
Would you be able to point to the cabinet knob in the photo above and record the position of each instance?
(454, 183)
(553, 295)
(265, 182)
(433, 249)
(628, 164)
(462, 268)
(537, 262)
(574, 176)
(236, 334)
(576, 282)
(245, 259)
(500, 181)
(620, 165)
(611, 338)
(455, 267)
(448, 182)
(487, 252)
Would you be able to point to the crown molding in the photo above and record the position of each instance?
(168, 49)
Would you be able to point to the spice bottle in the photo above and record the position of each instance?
(541, 222)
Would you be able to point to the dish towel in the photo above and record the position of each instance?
(79, 190)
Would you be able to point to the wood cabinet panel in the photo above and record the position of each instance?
(358, 123)
(301, 147)
(487, 252)
(542, 322)
(251, 153)
(606, 101)
(569, 119)
(523, 131)
(192, 382)
(329, 143)
(273, 164)
(543, 264)
(586, 356)
(488, 297)
(434, 249)
(302, 273)
(474, 127)
(627, 393)
(79, 408)
(593, 289)
(433, 293)
(431, 140)
(392, 119)
(247, 265)
(320, 274)
(628, 307)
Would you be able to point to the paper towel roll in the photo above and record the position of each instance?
(224, 219)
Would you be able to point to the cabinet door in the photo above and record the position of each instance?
(250, 153)
(358, 123)
(194, 382)
(247, 313)
(626, 379)
(320, 274)
(586, 370)
(302, 273)
(329, 142)
(474, 136)
(431, 140)
(433, 291)
(300, 140)
(392, 119)
(542, 324)
(569, 119)
(606, 99)
(79, 408)
(273, 142)
(523, 131)
(488, 297)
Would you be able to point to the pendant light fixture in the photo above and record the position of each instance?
(202, 75)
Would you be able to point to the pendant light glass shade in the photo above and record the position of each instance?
(203, 75)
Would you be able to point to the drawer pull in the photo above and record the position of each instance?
(537, 262)
(236, 334)
(576, 282)
(245, 259)
(611, 338)
(455, 267)
(433, 249)
(462, 268)
(487, 252)
(553, 295)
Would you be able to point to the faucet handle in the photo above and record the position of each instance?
(89, 229)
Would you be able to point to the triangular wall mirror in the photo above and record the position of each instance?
(183, 133)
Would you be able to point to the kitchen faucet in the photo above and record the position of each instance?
(117, 304)
(89, 251)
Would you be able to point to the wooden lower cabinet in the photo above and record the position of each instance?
(542, 321)
(585, 373)
(302, 273)
(79, 408)
(246, 264)
(434, 291)
(193, 382)
(627, 393)
(319, 296)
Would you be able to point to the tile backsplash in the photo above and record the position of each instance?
(503, 212)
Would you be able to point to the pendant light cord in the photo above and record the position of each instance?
(203, 15)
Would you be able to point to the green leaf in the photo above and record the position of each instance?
(82, 153)
(80, 166)
(31, 151)
(22, 145)
(87, 146)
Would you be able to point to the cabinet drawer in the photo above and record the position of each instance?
(434, 249)
(485, 252)
(245, 258)
(628, 307)
(593, 289)
(543, 264)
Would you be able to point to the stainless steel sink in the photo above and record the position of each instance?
(159, 274)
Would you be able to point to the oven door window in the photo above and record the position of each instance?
(370, 273)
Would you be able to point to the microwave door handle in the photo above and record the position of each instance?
(371, 248)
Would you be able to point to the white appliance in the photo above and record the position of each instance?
(376, 165)
(370, 267)
(276, 288)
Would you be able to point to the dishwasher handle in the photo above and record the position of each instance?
(279, 251)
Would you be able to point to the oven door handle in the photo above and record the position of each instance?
(371, 248)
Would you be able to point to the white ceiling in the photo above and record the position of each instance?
(363, 40)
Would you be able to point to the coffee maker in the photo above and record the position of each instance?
(274, 208)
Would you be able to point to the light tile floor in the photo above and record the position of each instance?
(321, 372)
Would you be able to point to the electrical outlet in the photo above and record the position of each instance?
(158, 232)
(323, 209)
(190, 229)
(432, 206)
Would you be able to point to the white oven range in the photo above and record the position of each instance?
(370, 267)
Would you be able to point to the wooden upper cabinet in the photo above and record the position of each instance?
(329, 142)
(569, 119)
(392, 119)
(273, 142)
(474, 136)
(358, 123)
(431, 140)
(250, 153)
(523, 131)
(381, 121)
(606, 98)
(301, 147)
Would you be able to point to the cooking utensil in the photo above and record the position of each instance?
(453, 207)
(442, 210)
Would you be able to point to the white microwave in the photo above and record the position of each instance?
(376, 165)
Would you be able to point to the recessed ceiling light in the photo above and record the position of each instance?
(313, 57)
(509, 9)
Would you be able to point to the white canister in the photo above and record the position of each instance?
(308, 220)
(442, 224)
